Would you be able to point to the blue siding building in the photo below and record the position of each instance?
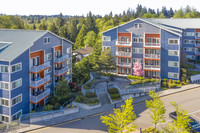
(155, 43)
(31, 64)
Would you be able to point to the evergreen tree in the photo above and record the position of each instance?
(60, 20)
(53, 28)
(179, 14)
(116, 20)
(90, 23)
(79, 43)
(72, 29)
(90, 39)
(63, 31)
(121, 120)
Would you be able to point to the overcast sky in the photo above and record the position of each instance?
(82, 7)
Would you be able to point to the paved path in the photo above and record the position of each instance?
(106, 108)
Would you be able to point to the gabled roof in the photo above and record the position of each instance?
(19, 41)
(173, 25)
(84, 51)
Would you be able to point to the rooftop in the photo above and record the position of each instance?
(84, 51)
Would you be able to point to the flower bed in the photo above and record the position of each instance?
(173, 83)
(140, 80)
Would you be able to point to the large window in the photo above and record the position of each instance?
(188, 33)
(172, 64)
(189, 41)
(17, 67)
(189, 49)
(69, 50)
(47, 40)
(4, 118)
(4, 102)
(106, 38)
(17, 115)
(173, 52)
(173, 41)
(105, 48)
(138, 50)
(3, 69)
(198, 34)
(172, 75)
(17, 100)
(138, 25)
(48, 56)
(4, 85)
(17, 83)
(138, 40)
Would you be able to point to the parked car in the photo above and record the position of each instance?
(193, 124)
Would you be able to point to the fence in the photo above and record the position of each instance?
(195, 78)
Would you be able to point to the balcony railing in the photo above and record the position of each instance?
(197, 52)
(197, 44)
(122, 53)
(61, 58)
(41, 96)
(40, 81)
(152, 44)
(61, 71)
(124, 64)
(122, 43)
(153, 56)
(40, 67)
(152, 67)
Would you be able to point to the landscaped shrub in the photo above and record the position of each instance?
(152, 80)
(164, 84)
(3, 126)
(136, 82)
(80, 99)
(93, 101)
(184, 75)
(178, 81)
(107, 74)
(115, 96)
(173, 81)
(90, 94)
(57, 106)
(48, 107)
(53, 100)
(187, 81)
(183, 79)
(145, 80)
(150, 130)
(88, 85)
(169, 81)
(184, 71)
(165, 80)
(135, 77)
(113, 90)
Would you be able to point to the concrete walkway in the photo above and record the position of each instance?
(106, 108)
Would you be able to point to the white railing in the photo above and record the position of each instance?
(156, 67)
(154, 56)
(124, 64)
(40, 67)
(195, 78)
(122, 53)
(152, 44)
(39, 97)
(122, 43)
(61, 71)
(39, 81)
(61, 58)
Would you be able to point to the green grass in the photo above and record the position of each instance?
(193, 72)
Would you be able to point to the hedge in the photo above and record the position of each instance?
(135, 77)
(93, 101)
(115, 96)
(90, 95)
(113, 91)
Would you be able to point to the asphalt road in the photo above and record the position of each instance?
(190, 100)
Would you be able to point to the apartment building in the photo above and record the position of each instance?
(156, 43)
(31, 64)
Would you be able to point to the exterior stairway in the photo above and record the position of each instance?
(104, 99)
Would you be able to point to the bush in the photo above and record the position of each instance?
(88, 85)
(53, 100)
(187, 81)
(183, 79)
(48, 107)
(57, 106)
(173, 81)
(3, 126)
(112, 90)
(152, 80)
(32, 111)
(184, 75)
(183, 70)
(164, 84)
(90, 94)
(80, 99)
(178, 81)
(169, 81)
(93, 101)
(146, 80)
(150, 130)
(115, 96)
(136, 82)
(165, 80)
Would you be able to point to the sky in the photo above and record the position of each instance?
(82, 7)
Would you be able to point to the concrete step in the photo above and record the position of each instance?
(104, 98)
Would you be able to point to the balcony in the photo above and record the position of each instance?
(152, 56)
(124, 64)
(40, 81)
(122, 43)
(61, 58)
(197, 52)
(122, 53)
(38, 68)
(42, 95)
(197, 45)
(152, 67)
(156, 45)
(61, 71)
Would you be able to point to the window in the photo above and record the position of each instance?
(4, 69)
(138, 50)
(4, 118)
(4, 85)
(16, 67)
(148, 40)
(47, 84)
(189, 49)
(106, 38)
(173, 52)
(48, 57)
(4, 102)
(69, 50)
(138, 40)
(172, 75)
(141, 40)
(127, 71)
(47, 40)
(173, 41)
(135, 39)
(106, 47)
(138, 25)
(135, 60)
(198, 34)
(188, 33)
(189, 41)
(17, 100)
(17, 115)
(190, 57)
(172, 64)
(17, 83)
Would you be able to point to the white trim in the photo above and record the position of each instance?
(173, 63)
(48, 38)
(7, 83)
(5, 105)
(137, 50)
(17, 102)
(15, 65)
(15, 81)
(16, 113)
(5, 66)
(5, 116)
(173, 50)
(173, 73)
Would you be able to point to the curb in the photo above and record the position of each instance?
(81, 118)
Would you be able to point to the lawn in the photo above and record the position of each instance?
(193, 72)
